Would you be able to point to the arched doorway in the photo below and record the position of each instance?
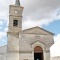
(38, 53)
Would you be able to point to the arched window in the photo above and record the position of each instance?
(15, 23)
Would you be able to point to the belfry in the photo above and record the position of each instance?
(30, 44)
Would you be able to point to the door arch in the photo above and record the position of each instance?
(38, 53)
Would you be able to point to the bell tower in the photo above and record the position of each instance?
(15, 26)
(15, 17)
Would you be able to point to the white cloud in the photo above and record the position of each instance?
(51, 17)
(1, 22)
(2, 35)
(6, 29)
(41, 12)
(4, 8)
(56, 38)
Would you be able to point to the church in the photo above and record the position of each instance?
(29, 44)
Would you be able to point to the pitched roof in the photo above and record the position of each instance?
(36, 30)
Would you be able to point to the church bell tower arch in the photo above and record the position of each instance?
(15, 17)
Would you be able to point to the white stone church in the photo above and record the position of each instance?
(30, 44)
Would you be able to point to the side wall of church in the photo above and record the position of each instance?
(9, 56)
(3, 52)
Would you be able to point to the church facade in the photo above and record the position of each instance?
(30, 44)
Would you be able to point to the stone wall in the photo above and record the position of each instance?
(27, 40)
(26, 56)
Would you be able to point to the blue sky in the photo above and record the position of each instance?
(53, 27)
(3, 33)
(42, 13)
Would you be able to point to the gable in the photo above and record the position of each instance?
(37, 30)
